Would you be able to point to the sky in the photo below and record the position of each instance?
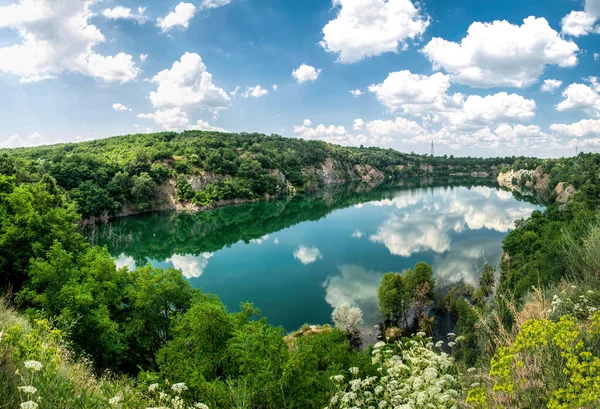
(476, 77)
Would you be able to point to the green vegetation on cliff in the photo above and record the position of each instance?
(126, 173)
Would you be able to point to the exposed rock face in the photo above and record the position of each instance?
(199, 182)
(331, 172)
(426, 168)
(564, 193)
(535, 183)
(368, 173)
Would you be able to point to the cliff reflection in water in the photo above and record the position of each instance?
(298, 259)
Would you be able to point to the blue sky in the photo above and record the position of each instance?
(469, 75)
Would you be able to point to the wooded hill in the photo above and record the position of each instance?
(136, 173)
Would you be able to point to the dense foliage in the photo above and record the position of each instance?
(151, 326)
(129, 173)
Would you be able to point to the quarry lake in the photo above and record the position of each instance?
(297, 259)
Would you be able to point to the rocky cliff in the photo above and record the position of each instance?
(537, 184)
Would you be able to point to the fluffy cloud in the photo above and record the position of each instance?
(120, 107)
(171, 119)
(188, 84)
(55, 37)
(356, 92)
(578, 23)
(307, 255)
(16, 141)
(120, 12)
(367, 28)
(180, 17)
(400, 127)
(583, 97)
(358, 124)
(275, 87)
(411, 92)
(338, 135)
(502, 54)
(306, 73)
(205, 126)
(255, 92)
(596, 56)
(550, 85)
(143, 57)
(585, 127)
(427, 95)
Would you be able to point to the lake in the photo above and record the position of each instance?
(297, 259)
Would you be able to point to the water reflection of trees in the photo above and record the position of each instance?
(159, 236)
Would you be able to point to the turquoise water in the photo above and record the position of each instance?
(296, 260)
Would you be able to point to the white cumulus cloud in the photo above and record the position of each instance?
(120, 107)
(306, 73)
(578, 23)
(180, 17)
(582, 97)
(186, 85)
(55, 37)
(583, 128)
(550, 85)
(205, 126)
(356, 92)
(367, 28)
(256, 92)
(502, 54)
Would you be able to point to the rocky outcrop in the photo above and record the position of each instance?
(564, 193)
(535, 183)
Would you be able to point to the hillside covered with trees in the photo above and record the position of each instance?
(136, 173)
(76, 331)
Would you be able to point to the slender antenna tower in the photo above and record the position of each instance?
(432, 148)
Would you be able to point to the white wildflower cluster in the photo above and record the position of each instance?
(28, 389)
(410, 375)
(29, 405)
(114, 401)
(580, 305)
(33, 365)
(347, 318)
(179, 387)
(167, 401)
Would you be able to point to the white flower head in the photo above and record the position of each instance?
(354, 370)
(153, 387)
(421, 334)
(29, 405)
(28, 389)
(114, 401)
(179, 387)
(35, 365)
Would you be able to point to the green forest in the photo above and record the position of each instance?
(78, 332)
(106, 176)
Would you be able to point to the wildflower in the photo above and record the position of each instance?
(475, 384)
(29, 405)
(471, 370)
(421, 334)
(451, 344)
(354, 370)
(338, 378)
(380, 344)
(153, 387)
(451, 335)
(179, 387)
(115, 400)
(28, 389)
(439, 344)
(35, 365)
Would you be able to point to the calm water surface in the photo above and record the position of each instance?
(296, 260)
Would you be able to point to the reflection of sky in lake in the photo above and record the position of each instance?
(299, 274)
